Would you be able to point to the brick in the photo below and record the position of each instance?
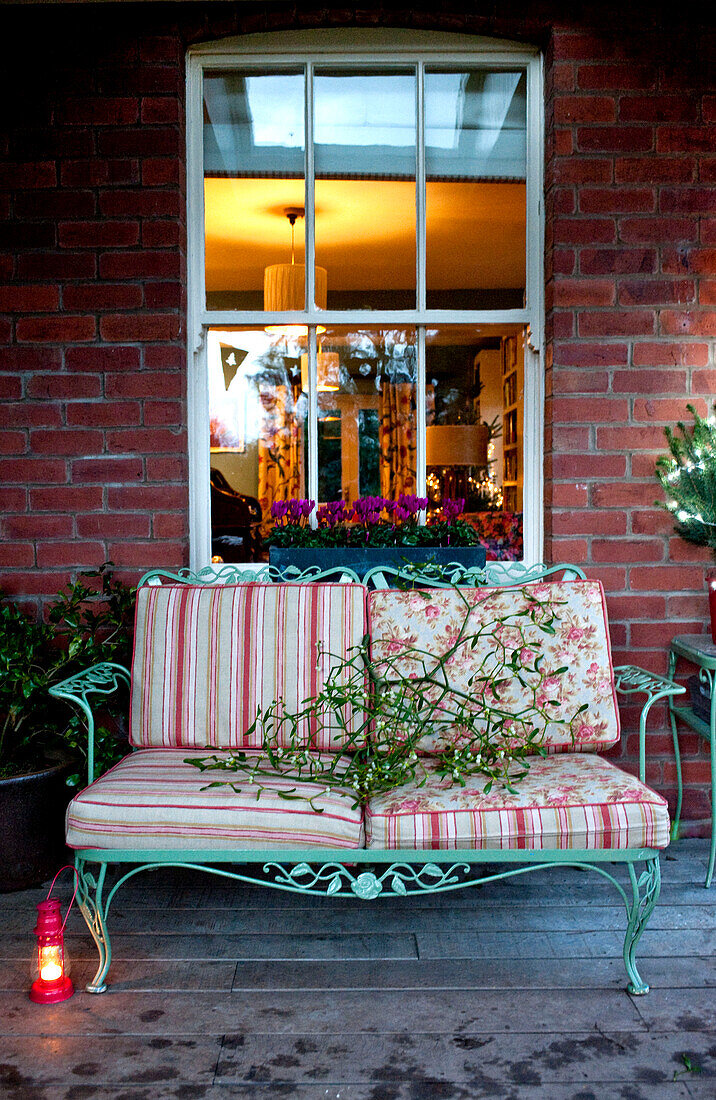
(703, 381)
(28, 299)
(581, 381)
(666, 409)
(160, 48)
(614, 494)
(96, 172)
(651, 169)
(15, 555)
(570, 109)
(147, 497)
(632, 607)
(144, 384)
(160, 172)
(638, 292)
(99, 234)
(105, 110)
(164, 413)
(685, 139)
(29, 414)
(563, 141)
(140, 203)
(38, 527)
(31, 469)
(589, 466)
(27, 584)
(164, 295)
(687, 200)
(161, 234)
(591, 355)
(574, 410)
(73, 498)
(649, 381)
(61, 329)
(617, 76)
(101, 296)
(13, 443)
(653, 522)
(169, 525)
(65, 441)
(626, 550)
(76, 554)
(140, 142)
(665, 577)
(615, 139)
(18, 235)
(107, 470)
(688, 260)
(12, 499)
(166, 469)
(616, 323)
(56, 204)
(617, 200)
(155, 440)
(56, 265)
(159, 109)
(140, 265)
(105, 413)
(617, 261)
(106, 526)
(679, 551)
(29, 175)
(589, 523)
(688, 607)
(657, 229)
(138, 327)
(584, 292)
(165, 358)
(657, 108)
(584, 230)
(688, 322)
(100, 359)
(149, 555)
(707, 292)
(635, 437)
(582, 170)
(10, 387)
(666, 354)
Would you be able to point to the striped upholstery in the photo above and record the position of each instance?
(206, 657)
(567, 801)
(152, 799)
(430, 622)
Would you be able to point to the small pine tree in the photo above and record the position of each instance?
(688, 477)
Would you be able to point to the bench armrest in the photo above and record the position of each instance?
(102, 679)
(632, 680)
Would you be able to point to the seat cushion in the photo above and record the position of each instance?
(567, 801)
(152, 799)
(207, 657)
(411, 631)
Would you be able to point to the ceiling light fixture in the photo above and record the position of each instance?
(285, 285)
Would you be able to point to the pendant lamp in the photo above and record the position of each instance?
(327, 369)
(285, 285)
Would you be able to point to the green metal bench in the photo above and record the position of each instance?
(362, 873)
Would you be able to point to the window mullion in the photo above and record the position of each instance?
(420, 226)
(421, 471)
(312, 487)
(309, 194)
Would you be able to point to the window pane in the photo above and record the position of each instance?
(474, 429)
(258, 435)
(366, 413)
(475, 162)
(254, 175)
(365, 150)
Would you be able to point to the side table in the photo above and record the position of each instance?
(700, 651)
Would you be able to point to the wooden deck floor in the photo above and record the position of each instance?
(513, 990)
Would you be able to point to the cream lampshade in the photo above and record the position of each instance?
(285, 286)
(456, 444)
(328, 370)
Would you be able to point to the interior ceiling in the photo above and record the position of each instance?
(365, 232)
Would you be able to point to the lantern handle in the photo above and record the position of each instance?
(67, 867)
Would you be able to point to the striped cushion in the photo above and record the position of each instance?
(567, 801)
(152, 799)
(430, 621)
(206, 657)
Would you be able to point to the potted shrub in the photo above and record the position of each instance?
(372, 531)
(688, 477)
(42, 743)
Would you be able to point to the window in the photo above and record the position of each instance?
(365, 281)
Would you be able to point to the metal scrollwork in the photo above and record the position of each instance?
(631, 679)
(400, 879)
(645, 893)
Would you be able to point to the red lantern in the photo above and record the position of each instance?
(51, 965)
(711, 585)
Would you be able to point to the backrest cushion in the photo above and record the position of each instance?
(206, 657)
(403, 622)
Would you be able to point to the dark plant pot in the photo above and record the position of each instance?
(32, 826)
(700, 698)
(360, 560)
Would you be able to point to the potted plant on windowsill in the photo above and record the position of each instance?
(41, 743)
(370, 532)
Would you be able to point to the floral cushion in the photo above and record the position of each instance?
(206, 657)
(567, 801)
(152, 799)
(412, 630)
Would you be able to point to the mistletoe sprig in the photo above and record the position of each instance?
(377, 711)
(688, 476)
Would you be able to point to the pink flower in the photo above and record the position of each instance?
(593, 669)
(586, 733)
(432, 612)
(576, 633)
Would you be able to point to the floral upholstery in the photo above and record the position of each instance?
(152, 799)
(567, 801)
(401, 622)
(206, 657)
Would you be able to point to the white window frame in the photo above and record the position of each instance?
(364, 48)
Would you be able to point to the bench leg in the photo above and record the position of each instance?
(645, 893)
(89, 899)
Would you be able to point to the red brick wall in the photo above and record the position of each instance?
(92, 301)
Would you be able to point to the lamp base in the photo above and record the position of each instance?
(49, 993)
